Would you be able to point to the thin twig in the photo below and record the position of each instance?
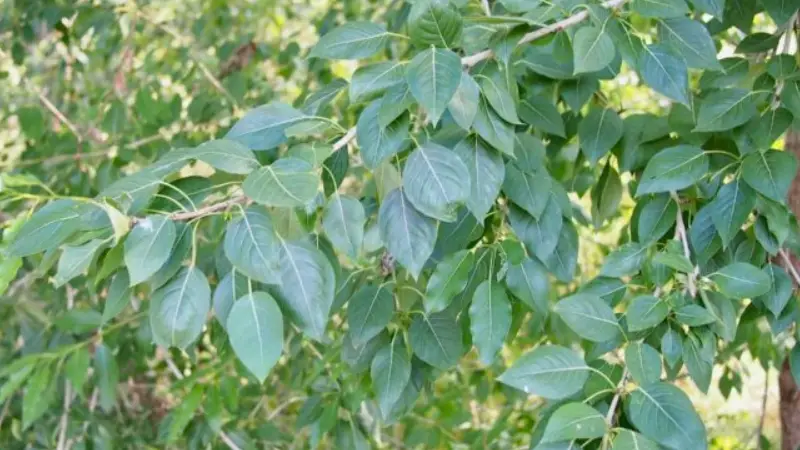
(612, 408)
(760, 428)
(62, 425)
(680, 233)
(790, 266)
(274, 413)
(59, 115)
(469, 61)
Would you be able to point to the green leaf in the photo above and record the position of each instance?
(263, 128)
(606, 196)
(432, 22)
(487, 173)
(780, 11)
(610, 290)
(660, 8)
(433, 77)
(226, 155)
(390, 373)
(528, 190)
(599, 132)
(372, 79)
(231, 288)
(741, 280)
(499, 98)
(698, 361)
(703, 235)
(541, 237)
(148, 247)
(368, 312)
(464, 104)
(494, 130)
(314, 153)
(712, 7)
(731, 208)
(657, 216)
(343, 222)
(646, 311)
(675, 261)
(593, 49)
(436, 181)
(408, 235)
(178, 309)
(725, 109)
(770, 173)
(694, 315)
(77, 368)
(119, 296)
(564, 259)
(665, 73)
(353, 40)
(663, 413)
(528, 282)
(490, 319)
(255, 331)
(39, 394)
(589, 317)
(436, 339)
(671, 347)
(627, 440)
(574, 421)
(690, 39)
(288, 182)
(780, 291)
(625, 260)
(47, 228)
(75, 260)
(549, 371)
(250, 245)
(376, 142)
(106, 375)
(672, 169)
(448, 279)
(307, 286)
(577, 93)
(184, 412)
(8, 271)
(542, 114)
(393, 104)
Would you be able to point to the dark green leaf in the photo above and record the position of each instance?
(646, 311)
(178, 309)
(598, 133)
(690, 39)
(368, 312)
(626, 260)
(490, 319)
(487, 173)
(770, 173)
(433, 76)
(436, 339)
(434, 23)
(593, 49)
(725, 109)
(263, 128)
(449, 278)
(250, 245)
(662, 412)
(574, 421)
(542, 114)
(673, 169)
(741, 280)
(665, 73)
(408, 235)
(436, 181)
(343, 222)
(390, 372)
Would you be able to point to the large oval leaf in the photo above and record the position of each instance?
(368, 313)
(408, 235)
(343, 222)
(741, 280)
(178, 309)
(574, 421)
(725, 109)
(663, 413)
(390, 373)
(487, 173)
(148, 247)
(550, 371)
(490, 319)
(433, 76)
(599, 132)
(435, 181)
(436, 339)
(250, 245)
(666, 73)
(672, 169)
(255, 330)
(288, 182)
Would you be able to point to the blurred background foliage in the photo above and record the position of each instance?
(94, 89)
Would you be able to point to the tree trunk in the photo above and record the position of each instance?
(789, 391)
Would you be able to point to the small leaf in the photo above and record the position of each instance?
(263, 128)
(288, 182)
(251, 245)
(690, 39)
(741, 280)
(494, 130)
(378, 143)
(448, 279)
(178, 309)
(148, 247)
(232, 287)
(487, 173)
(593, 49)
(435, 23)
(646, 311)
(184, 412)
(255, 331)
(660, 8)
(119, 296)
(106, 373)
(408, 235)
(643, 363)
(436, 339)
(394, 103)
(343, 222)
(390, 372)
(47, 228)
(39, 394)
(433, 76)
(436, 181)
(75, 260)
(77, 368)
(589, 317)
(780, 291)
(372, 79)
(599, 132)
(657, 216)
(699, 361)
(528, 190)
(625, 260)
(499, 98)
(528, 282)
(353, 40)
(541, 237)
(694, 315)
(672, 169)
(490, 319)
(574, 421)
(549, 371)
(671, 347)
(731, 208)
(368, 312)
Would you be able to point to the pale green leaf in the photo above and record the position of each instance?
(672, 169)
(574, 421)
(255, 331)
(353, 40)
(490, 319)
(408, 235)
(288, 182)
(148, 247)
(433, 76)
(549, 371)
(588, 316)
(343, 222)
(368, 312)
(436, 181)
(178, 309)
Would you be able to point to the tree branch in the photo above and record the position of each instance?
(680, 233)
(790, 266)
(469, 61)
